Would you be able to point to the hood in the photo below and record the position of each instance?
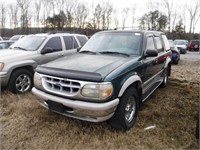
(182, 46)
(8, 54)
(101, 64)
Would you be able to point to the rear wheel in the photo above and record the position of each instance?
(165, 77)
(21, 81)
(126, 112)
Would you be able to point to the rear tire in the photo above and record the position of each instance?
(165, 77)
(126, 112)
(21, 81)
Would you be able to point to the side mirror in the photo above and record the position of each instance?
(47, 50)
(151, 53)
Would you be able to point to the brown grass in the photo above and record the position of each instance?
(27, 125)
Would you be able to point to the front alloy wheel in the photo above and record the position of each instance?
(130, 109)
(127, 109)
(23, 83)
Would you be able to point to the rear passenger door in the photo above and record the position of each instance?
(70, 44)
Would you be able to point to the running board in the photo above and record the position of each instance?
(150, 90)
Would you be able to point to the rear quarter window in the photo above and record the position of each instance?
(166, 43)
(70, 42)
(159, 45)
(82, 40)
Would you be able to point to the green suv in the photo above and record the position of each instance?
(108, 79)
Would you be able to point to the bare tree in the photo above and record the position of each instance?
(70, 11)
(169, 7)
(125, 13)
(47, 11)
(194, 14)
(115, 18)
(2, 16)
(174, 17)
(97, 15)
(81, 14)
(60, 4)
(109, 10)
(24, 5)
(38, 4)
(133, 9)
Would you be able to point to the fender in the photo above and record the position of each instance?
(168, 60)
(128, 82)
(19, 64)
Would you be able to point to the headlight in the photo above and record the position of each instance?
(97, 91)
(38, 81)
(1, 66)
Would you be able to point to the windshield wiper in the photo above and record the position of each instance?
(111, 52)
(20, 48)
(86, 51)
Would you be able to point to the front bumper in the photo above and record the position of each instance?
(4, 79)
(88, 111)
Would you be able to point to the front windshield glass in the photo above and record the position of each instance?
(179, 42)
(127, 43)
(29, 43)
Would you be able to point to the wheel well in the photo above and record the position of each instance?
(137, 85)
(29, 68)
(169, 69)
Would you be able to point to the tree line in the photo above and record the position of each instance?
(165, 15)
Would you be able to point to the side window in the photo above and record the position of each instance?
(159, 45)
(54, 43)
(82, 40)
(166, 43)
(70, 42)
(150, 43)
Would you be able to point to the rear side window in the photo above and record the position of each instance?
(195, 42)
(82, 40)
(150, 43)
(54, 43)
(159, 45)
(166, 43)
(70, 42)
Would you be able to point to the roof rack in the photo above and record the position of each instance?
(128, 28)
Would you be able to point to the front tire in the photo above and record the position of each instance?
(126, 112)
(21, 81)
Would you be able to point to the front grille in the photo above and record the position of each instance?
(61, 86)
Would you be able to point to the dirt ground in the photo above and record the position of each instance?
(172, 111)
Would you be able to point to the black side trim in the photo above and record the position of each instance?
(72, 74)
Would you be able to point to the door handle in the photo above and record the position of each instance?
(62, 54)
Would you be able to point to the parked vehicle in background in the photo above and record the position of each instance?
(5, 44)
(109, 79)
(175, 52)
(1, 39)
(194, 45)
(17, 64)
(181, 45)
(16, 37)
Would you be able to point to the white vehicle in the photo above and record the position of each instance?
(17, 64)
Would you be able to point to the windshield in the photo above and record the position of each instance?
(29, 43)
(127, 43)
(179, 42)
